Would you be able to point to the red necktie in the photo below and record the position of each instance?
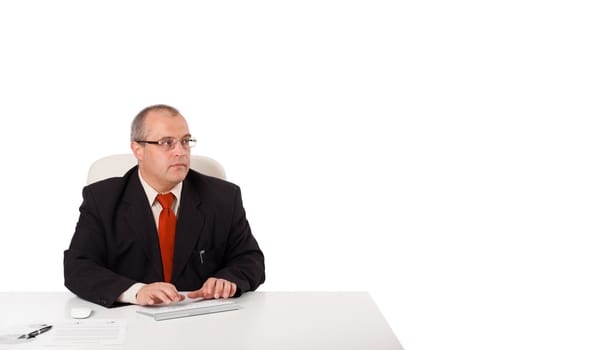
(166, 229)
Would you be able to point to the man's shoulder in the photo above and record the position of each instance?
(113, 185)
(201, 180)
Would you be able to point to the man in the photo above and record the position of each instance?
(162, 227)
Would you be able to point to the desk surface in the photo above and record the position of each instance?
(266, 320)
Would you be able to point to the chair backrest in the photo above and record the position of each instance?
(119, 164)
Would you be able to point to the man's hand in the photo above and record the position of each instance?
(215, 288)
(158, 293)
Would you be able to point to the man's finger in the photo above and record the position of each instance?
(195, 294)
(160, 297)
(206, 290)
(227, 290)
(172, 294)
(219, 288)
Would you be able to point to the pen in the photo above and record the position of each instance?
(35, 333)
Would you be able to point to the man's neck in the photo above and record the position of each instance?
(158, 188)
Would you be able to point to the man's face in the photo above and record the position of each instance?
(163, 168)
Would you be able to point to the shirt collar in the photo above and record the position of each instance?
(151, 193)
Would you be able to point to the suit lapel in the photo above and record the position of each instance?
(190, 224)
(140, 219)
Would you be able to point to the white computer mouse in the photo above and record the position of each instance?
(80, 312)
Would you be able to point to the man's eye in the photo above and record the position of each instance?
(185, 142)
(168, 142)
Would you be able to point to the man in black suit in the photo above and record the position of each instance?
(115, 254)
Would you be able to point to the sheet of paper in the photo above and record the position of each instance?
(89, 332)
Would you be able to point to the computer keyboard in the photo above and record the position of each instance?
(184, 309)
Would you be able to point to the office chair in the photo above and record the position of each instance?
(119, 164)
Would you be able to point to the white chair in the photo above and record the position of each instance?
(119, 164)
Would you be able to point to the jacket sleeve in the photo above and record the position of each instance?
(85, 262)
(244, 262)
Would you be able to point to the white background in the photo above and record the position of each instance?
(433, 153)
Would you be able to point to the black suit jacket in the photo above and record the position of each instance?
(116, 241)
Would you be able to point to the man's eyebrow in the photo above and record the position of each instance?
(172, 137)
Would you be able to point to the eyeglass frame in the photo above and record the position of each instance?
(190, 142)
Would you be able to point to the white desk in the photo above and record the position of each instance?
(267, 320)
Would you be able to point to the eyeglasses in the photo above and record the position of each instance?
(168, 143)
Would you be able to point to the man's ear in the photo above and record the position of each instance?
(138, 150)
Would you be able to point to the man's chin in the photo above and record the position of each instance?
(177, 173)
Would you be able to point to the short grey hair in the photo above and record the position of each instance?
(138, 131)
